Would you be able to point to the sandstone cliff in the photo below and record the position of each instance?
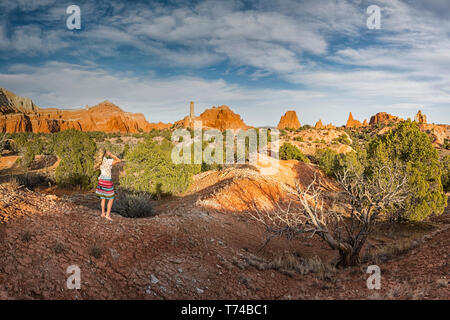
(18, 114)
(289, 120)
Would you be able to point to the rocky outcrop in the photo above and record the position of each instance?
(420, 118)
(319, 125)
(289, 120)
(11, 103)
(221, 118)
(384, 118)
(365, 123)
(437, 132)
(18, 114)
(352, 123)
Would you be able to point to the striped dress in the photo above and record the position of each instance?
(105, 187)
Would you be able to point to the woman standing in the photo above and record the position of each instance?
(105, 187)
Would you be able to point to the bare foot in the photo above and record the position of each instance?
(109, 218)
(102, 215)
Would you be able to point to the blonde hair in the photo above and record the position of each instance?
(99, 158)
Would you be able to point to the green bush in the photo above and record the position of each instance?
(299, 139)
(333, 163)
(343, 139)
(413, 149)
(77, 152)
(325, 158)
(28, 145)
(446, 173)
(133, 205)
(446, 144)
(149, 168)
(291, 152)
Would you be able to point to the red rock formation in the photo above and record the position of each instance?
(319, 125)
(352, 123)
(221, 118)
(420, 118)
(289, 120)
(437, 132)
(19, 114)
(365, 123)
(383, 117)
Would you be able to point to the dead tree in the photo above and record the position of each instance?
(382, 192)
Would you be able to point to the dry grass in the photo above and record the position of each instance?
(396, 240)
(291, 264)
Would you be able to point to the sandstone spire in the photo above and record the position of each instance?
(191, 113)
(319, 124)
(352, 123)
(420, 118)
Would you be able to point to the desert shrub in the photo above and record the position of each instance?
(126, 149)
(446, 144)
(77, 152)
(29, 146)
(149, 168)
(334, 164)
(446, 173)
(407, 145)
(299, 139)
(325, 158)
(133, 204)
(304, 127)
(343, 139)
(291, 152)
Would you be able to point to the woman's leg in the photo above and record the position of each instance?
(108, 212)
(103, 207)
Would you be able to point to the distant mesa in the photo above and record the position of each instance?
(289, 121)
(384, 118)
(19, 114)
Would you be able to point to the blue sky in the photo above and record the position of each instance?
(261, 58)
